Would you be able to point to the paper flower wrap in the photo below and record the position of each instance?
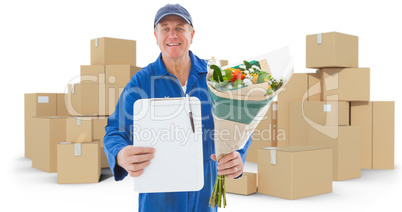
(238, 111)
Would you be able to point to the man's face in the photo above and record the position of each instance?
(173, 36)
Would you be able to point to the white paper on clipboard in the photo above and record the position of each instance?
(164, 124)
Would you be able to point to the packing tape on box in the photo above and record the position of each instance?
(319, 38)
(78, 121)
(77, 149)
(327, 108)
(96, 42)
(72, 88)
(273, 154)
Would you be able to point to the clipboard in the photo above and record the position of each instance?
(165, 124)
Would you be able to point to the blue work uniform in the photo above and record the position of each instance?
(154, 81)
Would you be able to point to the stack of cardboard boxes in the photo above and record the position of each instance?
(328, 109)
(64, 132)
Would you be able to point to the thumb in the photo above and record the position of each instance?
(213, 157)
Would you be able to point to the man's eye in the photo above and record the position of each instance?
(179, 29)
(165, 29)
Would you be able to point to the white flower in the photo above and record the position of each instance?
(251, 70)
(248, 76)
(242, 66)
(247, 82)
(229, 87)
(246, 72)
(255, 67)
(223, 73)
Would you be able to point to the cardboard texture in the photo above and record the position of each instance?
(345, 142)
(113, 92)
(78, 162)
(264, 134)
(61, 109)
(377, 121)
(314, 86)
(245, 185)
(36, 104)
(93, 99)
(88, 99)
(47, 133)
(295, 90)
(313, 113)
(345, 84)
(332, 49)
(120, 74)
(110, 51)
(92, 74)
(294, 172)
(79, 129)
(98, 130)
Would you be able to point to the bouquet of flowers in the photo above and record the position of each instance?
(241, 95)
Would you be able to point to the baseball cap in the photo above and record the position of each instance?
(172, 9)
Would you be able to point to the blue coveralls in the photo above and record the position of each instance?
(154, 81)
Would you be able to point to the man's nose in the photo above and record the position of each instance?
(172, 33)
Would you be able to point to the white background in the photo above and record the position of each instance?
(43, 44)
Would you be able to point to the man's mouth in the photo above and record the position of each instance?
(174, 44)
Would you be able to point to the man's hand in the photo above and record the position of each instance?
(230, 165)
(135, 159)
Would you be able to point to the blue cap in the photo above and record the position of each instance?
(173, 9)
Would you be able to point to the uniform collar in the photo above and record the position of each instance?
(197, 66)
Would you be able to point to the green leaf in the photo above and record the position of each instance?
(228, 74)
(217, 75)
(269, 91)
(224, 83)
(261, 78)
(237, 82)
(247, 64)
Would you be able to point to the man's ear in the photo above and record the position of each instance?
(156, 37)
(192, 35)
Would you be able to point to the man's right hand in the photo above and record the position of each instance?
(135, 159)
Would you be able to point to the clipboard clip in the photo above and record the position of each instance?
(190, 113)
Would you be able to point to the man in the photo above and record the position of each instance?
(175, 73)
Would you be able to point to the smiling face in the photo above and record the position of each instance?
(173, 36)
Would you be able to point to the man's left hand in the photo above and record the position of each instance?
(230, 165)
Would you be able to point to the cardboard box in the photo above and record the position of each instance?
(377, 121)
(294, 172)
(332, 49)
(345, 84)
(113, 93)
(120, 74)
(110, 51)
(78, 162)
(61, 107)
(87, 99)
(79, 129)
(36, 104)
(345, 143)
(314, 86)
(104, 161)
(98, 131)
(295, 90)
(47, 133)
(246, 184)
(92, 74)
(312, 113)
(264, 134)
